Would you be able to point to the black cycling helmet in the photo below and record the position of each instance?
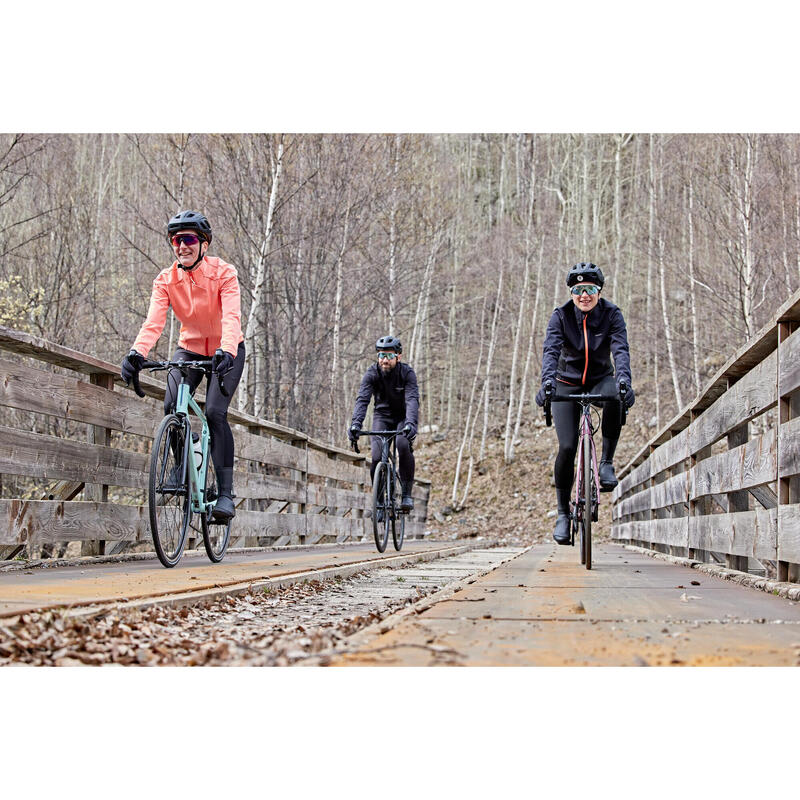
(189, 221)
(586, 272)
(389, 343)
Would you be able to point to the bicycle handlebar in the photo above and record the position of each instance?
(155, 366)
(386, 434)
(585, 399)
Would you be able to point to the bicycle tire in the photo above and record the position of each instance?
(170, 510)
(588, 479)
(398, 517)
(216, 536)
(380, 530)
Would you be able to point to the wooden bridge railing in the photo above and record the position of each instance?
(79, 453)
(720, 481)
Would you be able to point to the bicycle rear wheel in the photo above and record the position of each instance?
(398, 517)
(216, 536)
(588, 480)
(168, 496)
(380, 493)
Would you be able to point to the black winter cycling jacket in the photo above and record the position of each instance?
(577, 347)
(396, 394)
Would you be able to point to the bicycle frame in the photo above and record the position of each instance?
(183, 404)
(586, 435)
(388, 454)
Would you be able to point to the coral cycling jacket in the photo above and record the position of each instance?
(206, 300)
(577, 345)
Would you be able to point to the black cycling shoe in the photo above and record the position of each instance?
(379, 515)
(407, 502)
(605, 472)
(561, 533)
(223, 509)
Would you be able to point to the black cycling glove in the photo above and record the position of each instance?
(131, 364)
(221, 362)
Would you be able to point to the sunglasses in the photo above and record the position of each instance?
(388, 356)
(589, 288)
(189, 239)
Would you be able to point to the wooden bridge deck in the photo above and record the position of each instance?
(544, 608)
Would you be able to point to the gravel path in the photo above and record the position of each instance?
(266, 628)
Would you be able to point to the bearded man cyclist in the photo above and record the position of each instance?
(581, 336)
(204, 294)
(394, 387)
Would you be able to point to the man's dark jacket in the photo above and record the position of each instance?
(565, 357)
(396, 394)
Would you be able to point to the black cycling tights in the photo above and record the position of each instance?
(566, 417)
(216, 409)
(405, 452)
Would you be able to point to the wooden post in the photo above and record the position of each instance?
(740, 500)
(301, 475)
(98, 492)
(788, 408)
(702, 506)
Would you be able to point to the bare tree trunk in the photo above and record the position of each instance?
(337, 317)
(253, 326)
(508, 449)
(692, 289)
(489, 359)
(393, 237)
(470, 405)
(531, 339)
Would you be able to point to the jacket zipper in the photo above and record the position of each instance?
(586, 345)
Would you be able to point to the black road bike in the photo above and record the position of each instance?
(386, 492)
(182, 480)
(584, 511)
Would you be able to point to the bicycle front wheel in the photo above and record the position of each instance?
(398, 517)
(380, 506)
(215, 535)
(588, 480)
(168, 496)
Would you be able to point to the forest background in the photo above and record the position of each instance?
(457, 243)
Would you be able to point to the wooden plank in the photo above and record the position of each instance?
(320, 464)
(671, 453)
(27, 344)
(789, 373)
(636, 502)
(35, 522)
(744, 533)
(65, 397)
(673, 531)
(789, 533)
(641, 474)
(750, 464)
(743, 401)
(340, 528)
(766, 496)
(252, 485)
(268, 450)
(670, 492)
(263, 524)
(50, 458)
(789, 459)
(332, 497)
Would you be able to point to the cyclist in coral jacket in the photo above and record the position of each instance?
(581, 337)
(204, 294)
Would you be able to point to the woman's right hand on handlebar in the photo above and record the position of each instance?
(131, 365)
